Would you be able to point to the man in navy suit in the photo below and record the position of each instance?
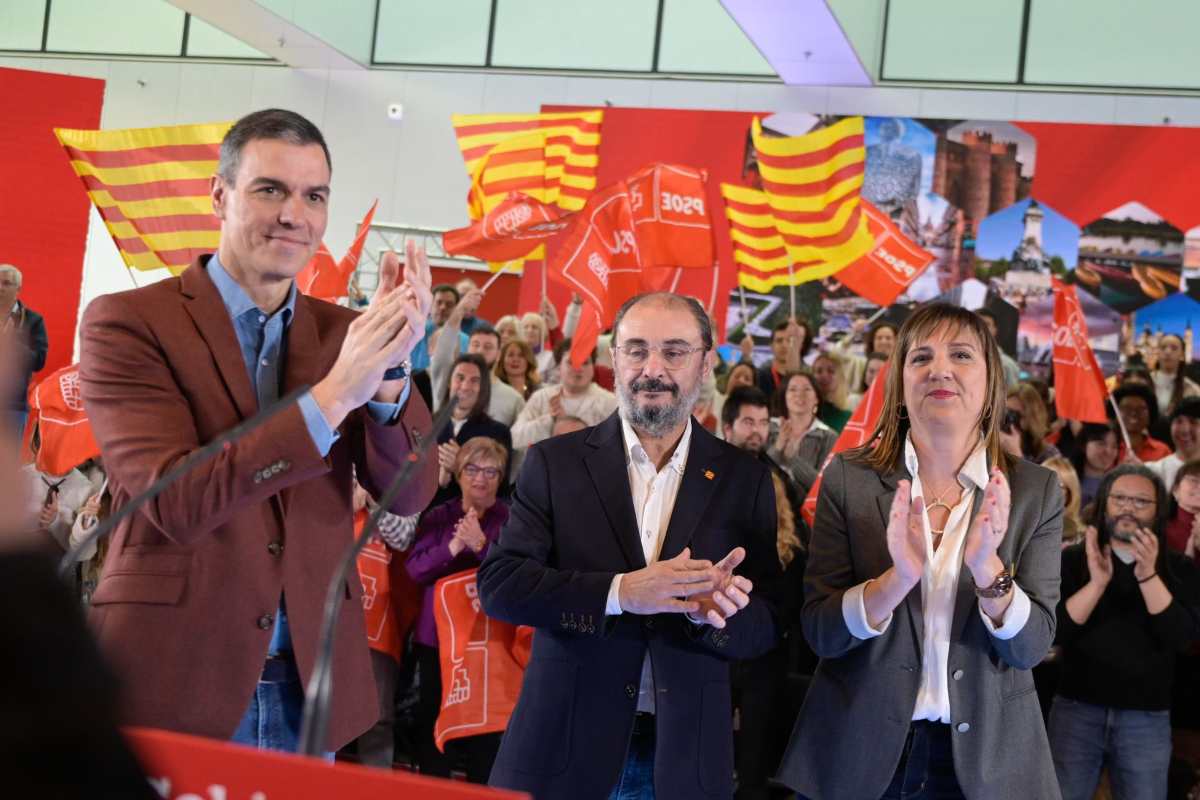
(621, 551)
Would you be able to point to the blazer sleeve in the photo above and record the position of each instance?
(830, 570)
(754, 630)
(516, 581)
(1037, 568)
(381, 451)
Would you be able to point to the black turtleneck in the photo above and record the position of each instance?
(1124, 657)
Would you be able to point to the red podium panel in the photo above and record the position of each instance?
(183, 767)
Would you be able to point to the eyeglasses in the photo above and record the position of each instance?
(1138, 503)
(673, 356)
(473, 470)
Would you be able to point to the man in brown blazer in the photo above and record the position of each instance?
(211, 596)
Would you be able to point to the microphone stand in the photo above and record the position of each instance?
(318, 695)
(193, 460)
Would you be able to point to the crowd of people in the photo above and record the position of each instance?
(1117, 511)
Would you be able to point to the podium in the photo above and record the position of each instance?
(183, 767)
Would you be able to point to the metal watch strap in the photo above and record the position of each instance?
(1001, 586)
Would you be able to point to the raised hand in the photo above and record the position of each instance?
(987, 530)
(1145, 550)
(49, 512)
(556, 405)
(729, 595)
(470, 532)
(1099, 559)
(658, 588)
(906, 539)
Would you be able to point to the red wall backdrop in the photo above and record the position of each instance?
(44, 209)
(501, 297)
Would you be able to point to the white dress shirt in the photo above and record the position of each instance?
(939, 589)
(654, 492)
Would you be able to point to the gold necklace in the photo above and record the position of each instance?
(940, 501)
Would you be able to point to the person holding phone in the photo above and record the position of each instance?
(1129, 606)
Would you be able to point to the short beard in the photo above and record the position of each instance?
(656, 421)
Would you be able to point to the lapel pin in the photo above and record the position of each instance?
(708, 473)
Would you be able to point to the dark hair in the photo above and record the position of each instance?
(808, 337)
(1137, 390)
(1177, 383)
(445, 287)
(485, 383)
(1090, 432)
(1100, 504)
(1190, 468)
(271, 123)
(669, 299)
(873, 331)
(484, 330)
(781, 409)
(742, 396)
(1135, 370)
(564, 347)
(874, 356)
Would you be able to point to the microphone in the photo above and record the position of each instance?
(185, 466)
(318, 695)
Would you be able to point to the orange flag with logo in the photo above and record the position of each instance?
(511, 230)
(889, 269)
(861, 425)
(324, 278)
(483, 662)
(65, 435)
(1079, 388)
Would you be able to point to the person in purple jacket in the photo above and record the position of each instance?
(450, 538)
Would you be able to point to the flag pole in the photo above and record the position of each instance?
(792, 287)
(544, 271)
(742, 303)
(1121, 422)
(498, 273)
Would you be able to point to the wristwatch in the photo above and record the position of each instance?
(1001, 586)
(398, 372)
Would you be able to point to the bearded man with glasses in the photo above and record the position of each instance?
(642, 551)
(1129, 605)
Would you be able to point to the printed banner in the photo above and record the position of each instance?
(1079, 389)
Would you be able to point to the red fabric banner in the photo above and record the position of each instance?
(861, 425)
(511, 230)
(483, 662)
(893, 264)
(1079, 389)
(324, 278)
(56, 405)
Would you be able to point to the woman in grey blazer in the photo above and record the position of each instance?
(930, 591)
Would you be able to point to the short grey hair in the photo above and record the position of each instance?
(670, 299)
(10, 268)
(271, 123)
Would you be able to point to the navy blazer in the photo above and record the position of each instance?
(572, 528)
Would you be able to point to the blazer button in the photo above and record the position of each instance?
(963, 727)
(258, 477)
(266, 621)
(275, 548)
(957, 675)
(630, 691)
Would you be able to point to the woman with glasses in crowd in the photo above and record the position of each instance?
(450, 538)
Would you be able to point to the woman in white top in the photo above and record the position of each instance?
(1170, 384)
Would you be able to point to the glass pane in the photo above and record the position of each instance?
(210, 42)
(951, 40)
(21, 24)
(700, 36)
(346, 25)
(442, 32)
(575, 34)
(1114, 43)
(138, 27)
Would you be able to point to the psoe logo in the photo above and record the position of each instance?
(599, 268)
(510, 220)
(1070, 341)
(902, 267)
(213, 792)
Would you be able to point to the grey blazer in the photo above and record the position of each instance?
(848, 739)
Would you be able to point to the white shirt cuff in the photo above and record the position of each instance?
(612, 606)
(1015, 616)
(854, 611)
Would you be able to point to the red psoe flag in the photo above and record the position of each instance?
(1079, 389)
(66, 438)
(511, 230)
(890, 267)
(326, 279)
(861, 425)
(671, 218)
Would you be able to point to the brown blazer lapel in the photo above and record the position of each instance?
(303, 365)
(203, 304)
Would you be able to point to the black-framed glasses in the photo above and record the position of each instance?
(473, 470)
(673, 356)
(1127, 500)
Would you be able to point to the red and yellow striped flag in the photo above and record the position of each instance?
(562, 164)
(813, 186)
(151, 187)
(758, 250)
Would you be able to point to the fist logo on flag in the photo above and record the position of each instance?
(599, 268)
(1067, 342)
(68, 385)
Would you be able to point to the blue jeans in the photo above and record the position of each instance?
(1134, 745)
(637, 776)
(926, 768)
(272, 722)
